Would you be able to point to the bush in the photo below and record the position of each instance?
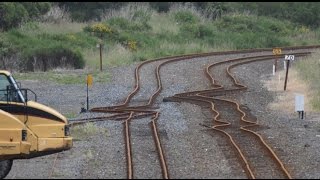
(12, 14)
(122, 24)
(119, 23)
(189, 30)
(185, 17)
(36, 9)
(41, 51)
(206, 31)
(47, 58)
(141, 16)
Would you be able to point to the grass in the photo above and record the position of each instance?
(64, 77)
(285, 100)
(303, 79)
(183, 30)
(162, 23)
(71, 115)
(84, 132)
(35, 28)
(309, 72)
(112, 56)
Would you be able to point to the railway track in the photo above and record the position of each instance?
(130, 111)
(258, 158)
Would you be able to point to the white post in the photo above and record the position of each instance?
(273, 69)
(299, 102)
(299, 105)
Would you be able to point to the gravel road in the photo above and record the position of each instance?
(191, 150)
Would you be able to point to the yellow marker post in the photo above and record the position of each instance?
(89, 80)
(89, 83)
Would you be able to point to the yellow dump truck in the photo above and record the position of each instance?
(27, 129)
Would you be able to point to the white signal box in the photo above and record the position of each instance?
(299, 102)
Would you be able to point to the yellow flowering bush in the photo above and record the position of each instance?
(101, 28)
(132, 45)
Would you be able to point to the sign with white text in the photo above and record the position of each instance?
(289, 57)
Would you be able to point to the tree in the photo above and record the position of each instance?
(12, 14)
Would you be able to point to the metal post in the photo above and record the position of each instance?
(287, 70)
(100, 57)
(87, 97)
(275, 65)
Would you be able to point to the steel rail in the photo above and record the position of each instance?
(123, 109)
(197, 96)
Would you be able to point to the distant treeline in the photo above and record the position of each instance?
(303, 13)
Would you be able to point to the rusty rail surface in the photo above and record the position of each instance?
(219, 125)
(127, 113)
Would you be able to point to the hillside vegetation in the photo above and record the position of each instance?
(37, 37)
(139, 32)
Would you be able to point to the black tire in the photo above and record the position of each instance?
(5, 167)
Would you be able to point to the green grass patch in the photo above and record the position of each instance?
(60, 77)
(179, 31)
(309, 71)
(71, 115)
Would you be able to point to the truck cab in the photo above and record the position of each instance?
(27, 129)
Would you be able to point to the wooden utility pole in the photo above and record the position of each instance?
(100, 57)
(100, 52)
(287, 71)
(287, 58)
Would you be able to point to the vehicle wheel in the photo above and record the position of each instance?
(5, 167)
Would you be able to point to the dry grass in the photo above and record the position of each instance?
(128, 11)
(161, 23)
(57, 15)
(285, 100)
(62, 27)
(84, 132)
(112, 56)
(176, 7)
(311, 37)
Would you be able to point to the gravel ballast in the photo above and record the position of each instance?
(190, 149)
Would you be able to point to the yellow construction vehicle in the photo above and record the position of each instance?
(27, 129)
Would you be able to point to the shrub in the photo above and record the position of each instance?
(123, 24)
(185, 17)
(119, 23)
(47, 58)
(12, 14)
(36, 9)
(206, 31)
(189, 30)
(141, 16)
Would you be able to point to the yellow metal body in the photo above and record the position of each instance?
(11, 135)
(44, 127)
